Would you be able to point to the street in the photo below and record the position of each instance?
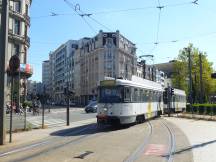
(154, 140)
(56, 117)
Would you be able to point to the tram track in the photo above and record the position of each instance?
(142, 147)
(137, 153)
(172, 142)
(55, 143)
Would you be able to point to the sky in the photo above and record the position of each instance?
(181, 22)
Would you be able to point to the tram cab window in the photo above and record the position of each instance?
(111, 94)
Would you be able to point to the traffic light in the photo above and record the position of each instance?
(65, 91)
(172, 91)
(165, 96)
(213, 75)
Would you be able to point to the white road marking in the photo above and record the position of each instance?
(23, 148)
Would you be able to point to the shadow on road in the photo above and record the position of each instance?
(190, 148)
(87, 130)
(195, 146)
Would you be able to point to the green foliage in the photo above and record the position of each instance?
(180, 77)
(202, 109)
(27, 104)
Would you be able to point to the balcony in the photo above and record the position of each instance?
(25, 71)
(18, 38)
(27, 41)
(16, 14)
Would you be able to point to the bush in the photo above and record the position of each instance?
(27, 104)
(206, 108)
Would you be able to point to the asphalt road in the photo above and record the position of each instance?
(56, 117)
(155, 140)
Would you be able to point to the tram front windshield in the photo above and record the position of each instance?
(111, 94)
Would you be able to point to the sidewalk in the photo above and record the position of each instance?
(27, 137)
(201, 135)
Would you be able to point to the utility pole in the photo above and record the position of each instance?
(68, 105)
(43, 108)
(190, 77)
(11, 109)
(3, 75)
(201, 78)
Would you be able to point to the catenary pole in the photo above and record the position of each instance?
(190, 78)
(201, 78)
(3, 75)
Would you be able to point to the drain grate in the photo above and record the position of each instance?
(83, 155)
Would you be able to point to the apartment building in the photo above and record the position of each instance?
(58, 71)
(46, 75)
(108, 54)
(81, 64)
(18, 41)
(34, 88)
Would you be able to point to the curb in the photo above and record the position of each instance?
(195, 116)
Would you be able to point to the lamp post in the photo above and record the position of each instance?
(3, 75)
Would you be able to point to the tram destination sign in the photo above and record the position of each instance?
(107, 83)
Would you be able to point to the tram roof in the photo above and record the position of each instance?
(148, 85)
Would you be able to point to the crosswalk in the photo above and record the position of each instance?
(36, 121)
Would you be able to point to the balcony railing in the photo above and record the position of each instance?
(19, 38)
(27, 41)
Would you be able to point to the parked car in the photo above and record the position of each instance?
(91, 107)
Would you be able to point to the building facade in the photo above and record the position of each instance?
(19, 42)
(108, 54)
(58, 71)
(46, 75)
(34, 88)
(81, 64)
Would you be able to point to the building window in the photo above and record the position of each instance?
(17, 6)
(26, 9)
(16, 49)
(16, 26)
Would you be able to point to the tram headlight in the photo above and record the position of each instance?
(105, 109)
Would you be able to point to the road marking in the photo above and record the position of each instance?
(64, 111)
(156, 149)
(42, 143)
(23, 149)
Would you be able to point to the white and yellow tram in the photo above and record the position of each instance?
(124, 102)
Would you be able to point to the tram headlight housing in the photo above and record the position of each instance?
(105, 109)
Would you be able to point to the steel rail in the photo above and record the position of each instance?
(172, 147)
(138, 152)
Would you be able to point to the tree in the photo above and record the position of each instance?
(180, 77)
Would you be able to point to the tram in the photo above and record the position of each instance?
(124, 102)
(177, 103)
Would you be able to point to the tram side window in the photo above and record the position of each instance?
(127, 94)
(142, 95)
(150, 95)
(136, 95)
(147, 96)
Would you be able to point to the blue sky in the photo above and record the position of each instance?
(187, 23)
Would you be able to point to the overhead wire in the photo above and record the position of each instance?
(88, 15)
(75, 8)
(119, 10)
(158, 28)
